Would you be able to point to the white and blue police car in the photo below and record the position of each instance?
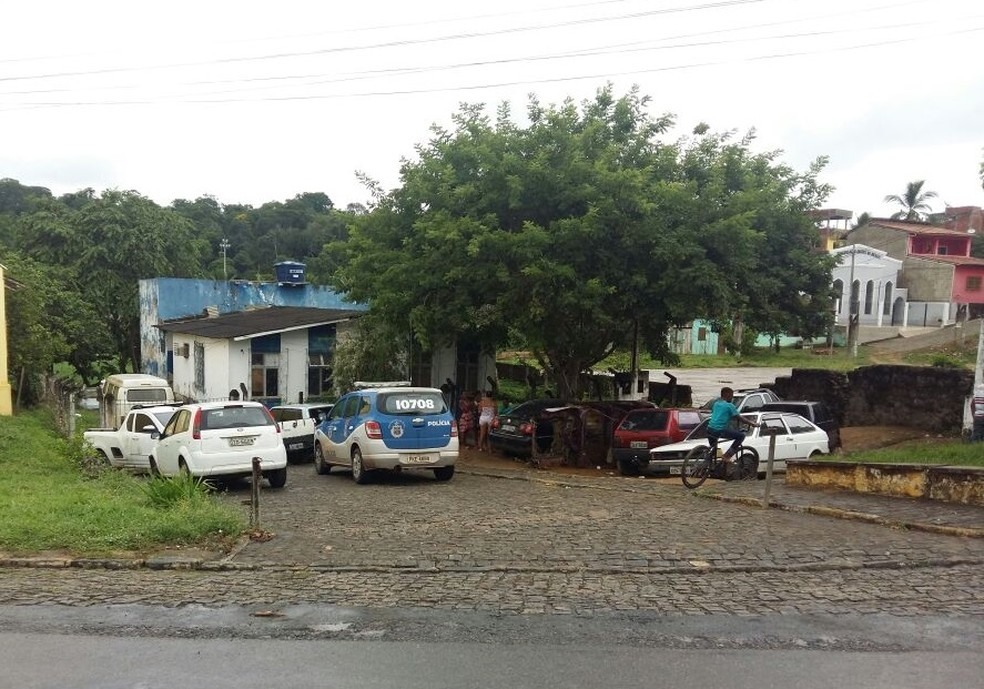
(388, 426)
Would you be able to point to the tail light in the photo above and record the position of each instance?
(526, 429)
(373, 430)
(454, 430)
(496, 424)
(196, 425)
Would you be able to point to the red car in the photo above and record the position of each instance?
(643, 429)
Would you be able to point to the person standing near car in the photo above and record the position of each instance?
(719, 425)
(486, 413)
(466, 417)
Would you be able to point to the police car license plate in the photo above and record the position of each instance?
(419, 459)
(296, 446)
(240, 442)
(676, 471)
(508, 428)
(638, 444)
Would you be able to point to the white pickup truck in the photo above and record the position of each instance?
(129, 446)
(297, 423)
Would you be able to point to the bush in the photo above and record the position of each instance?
(169, 491)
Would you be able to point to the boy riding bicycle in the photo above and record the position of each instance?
(719, 425)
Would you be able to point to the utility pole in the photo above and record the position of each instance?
(224, 245)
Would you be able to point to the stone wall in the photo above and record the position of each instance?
(927, 397)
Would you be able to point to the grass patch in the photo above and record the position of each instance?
(47, 502)
(956, 453)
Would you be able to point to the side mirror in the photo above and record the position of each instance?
(154, 435)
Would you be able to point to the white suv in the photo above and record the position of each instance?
(297, 423)
(220, 439)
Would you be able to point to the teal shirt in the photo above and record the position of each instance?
(721, 414)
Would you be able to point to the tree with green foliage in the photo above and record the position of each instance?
(104, 248)
(53, 324)
(568, 235)
(913, 203)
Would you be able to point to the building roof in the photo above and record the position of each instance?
(919, 228)
(951, 259)
(244, 325)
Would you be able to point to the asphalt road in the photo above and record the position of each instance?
(41, 662)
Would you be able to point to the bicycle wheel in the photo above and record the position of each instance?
(696, 467)
(745, 465)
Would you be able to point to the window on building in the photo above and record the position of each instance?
(942, 250)
(200, 367)
(869, 296)
(321, 350)
(701, 334)
(838, 296)
(265, 374)
(888, 299)
(973, 283)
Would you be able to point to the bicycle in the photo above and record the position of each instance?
(704, 462)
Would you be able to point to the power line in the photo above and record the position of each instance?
(617, 49)
(502, 84)
(387, 44)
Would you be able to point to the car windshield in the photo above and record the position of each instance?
(649, 420)
(164, 416)
(423, 402)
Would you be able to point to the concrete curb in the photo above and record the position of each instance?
(690, 567)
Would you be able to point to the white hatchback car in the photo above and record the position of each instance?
(220, 439)
(796, 438)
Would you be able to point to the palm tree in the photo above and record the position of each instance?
(913, 201)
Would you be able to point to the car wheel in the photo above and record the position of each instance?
(320, 465)
(359, 473)
(277, 478)
(183, 468)
(628, 467)
(155, 471)
(102, 457)
(745, 465)
(444, 473)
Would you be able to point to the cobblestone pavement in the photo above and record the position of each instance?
(544, 544)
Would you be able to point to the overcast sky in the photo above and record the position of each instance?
(256, 101)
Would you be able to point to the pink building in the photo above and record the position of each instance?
(945, 283)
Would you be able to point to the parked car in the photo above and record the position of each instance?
(747, 400)
(220, 439)
(817, 412)
(297, 425)
(643, 429)
(388, 426)
(797, 438)
(130, 445)
(512, 430)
